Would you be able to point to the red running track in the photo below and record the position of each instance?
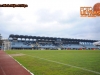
(8, 66)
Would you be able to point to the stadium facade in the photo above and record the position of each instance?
(41, 43)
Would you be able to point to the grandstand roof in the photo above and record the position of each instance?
(49, 38)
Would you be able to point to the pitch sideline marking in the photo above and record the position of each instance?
(67, 65)
(21, 65)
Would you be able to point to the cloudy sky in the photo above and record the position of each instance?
(50, 18)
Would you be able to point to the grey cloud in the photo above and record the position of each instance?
(85, 28)
(7, 26)
(46, 16)
(89, 28)
(72, 18)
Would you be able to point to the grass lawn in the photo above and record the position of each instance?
(59, 62)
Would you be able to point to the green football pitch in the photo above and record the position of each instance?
(59, 62)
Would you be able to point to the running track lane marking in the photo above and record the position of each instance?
(66, 64)
(3, 71)
(21, 65)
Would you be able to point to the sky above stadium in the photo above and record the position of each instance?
(50, 18)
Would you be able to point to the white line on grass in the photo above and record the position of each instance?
(22, 65)
(66, 64)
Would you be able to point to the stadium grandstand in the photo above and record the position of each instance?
(41, 43)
